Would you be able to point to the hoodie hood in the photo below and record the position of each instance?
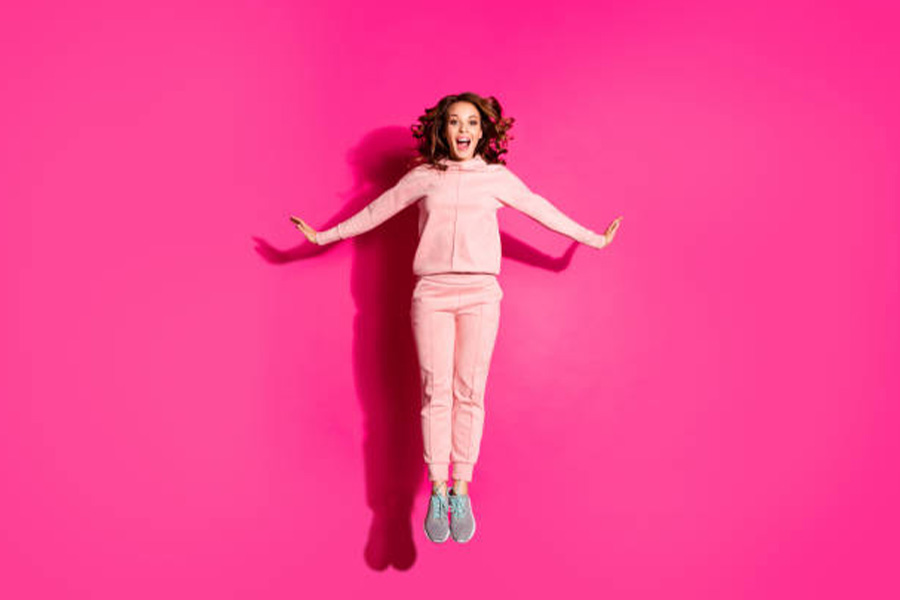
(476, 163)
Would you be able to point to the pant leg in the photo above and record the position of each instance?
(477, 323)
(434, 331)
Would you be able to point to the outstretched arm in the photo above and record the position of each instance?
(410, 188)
(515, 193)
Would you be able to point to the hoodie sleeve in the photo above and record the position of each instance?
(410, 188)
(513, 192)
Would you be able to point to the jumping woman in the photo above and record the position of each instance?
(459, 181)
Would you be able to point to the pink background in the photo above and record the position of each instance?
(198, 404)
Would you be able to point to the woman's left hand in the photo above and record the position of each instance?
(610, 234)
(611, 230)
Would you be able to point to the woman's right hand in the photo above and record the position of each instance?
(308, 231)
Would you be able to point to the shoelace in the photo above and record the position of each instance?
(458, 506)
(438, 506)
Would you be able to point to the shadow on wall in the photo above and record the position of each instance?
(385, 366)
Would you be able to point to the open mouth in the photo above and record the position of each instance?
(462, 144)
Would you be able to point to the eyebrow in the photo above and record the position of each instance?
(456, 115)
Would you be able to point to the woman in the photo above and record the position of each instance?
(460, 182)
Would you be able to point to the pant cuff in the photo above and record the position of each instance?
(463, 471)
(438, 471)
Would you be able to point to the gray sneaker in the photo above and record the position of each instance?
(437, 526)
(462, 520)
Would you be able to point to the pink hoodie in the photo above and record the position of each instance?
(458, 229)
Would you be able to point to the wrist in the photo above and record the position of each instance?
(327, 236)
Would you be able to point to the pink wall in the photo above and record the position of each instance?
(197, 404)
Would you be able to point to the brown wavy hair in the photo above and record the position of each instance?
(430, 131)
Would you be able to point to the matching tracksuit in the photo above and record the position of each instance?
(455, 310)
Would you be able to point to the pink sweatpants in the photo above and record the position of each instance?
(455, 318)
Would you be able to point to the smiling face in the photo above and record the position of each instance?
(463, 130)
